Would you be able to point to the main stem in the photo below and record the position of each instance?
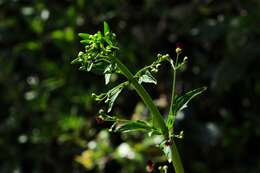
(157, 117)
(158, 120)
(176, 159)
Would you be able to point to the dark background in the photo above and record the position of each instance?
(47, 117)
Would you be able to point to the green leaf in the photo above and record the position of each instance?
(181, 103)
(84, 36)
(85, 42)
(113, 94)
(106, 28)
(89, 67)
(131, 126)
(147, 77)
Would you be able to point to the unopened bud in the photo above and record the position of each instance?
(101, 111)
(99, 120)
(149, 166)
(154, 70)
(80, 53)
(178, 50)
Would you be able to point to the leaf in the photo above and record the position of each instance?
(113, 94)
(85, 42)
(84, 36)
(89, 67)
(181, 103)
(106, 28)
(147, 77)
(131, 126)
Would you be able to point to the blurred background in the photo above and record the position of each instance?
(47, 117)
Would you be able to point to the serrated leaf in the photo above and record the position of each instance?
(181, 103)
(84, 36)
(131, 126)
(106, 28)
(147, 77)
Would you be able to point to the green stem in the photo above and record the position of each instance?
(157, 117)
(176, 159)
(173, 91)
(158, 120)
(174, 65)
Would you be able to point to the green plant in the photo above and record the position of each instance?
(102, 55)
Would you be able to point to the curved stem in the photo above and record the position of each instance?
(157, 118)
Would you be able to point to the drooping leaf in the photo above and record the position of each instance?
(108, 72)
(106, 28)
(113, 94)
(147, 77)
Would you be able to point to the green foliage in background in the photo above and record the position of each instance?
(47, 121)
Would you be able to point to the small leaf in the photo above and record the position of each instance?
(113, 94)
(131, 126)
(147, 77)
(109, 70)
(106, 28)
(84, 36)
(89, 67)
(85, 42)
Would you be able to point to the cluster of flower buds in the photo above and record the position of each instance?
(99, 48)
(156, 64)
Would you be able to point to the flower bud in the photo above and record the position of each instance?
(178, 50)
(80, 53)
(149, 166)
(99, 120)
